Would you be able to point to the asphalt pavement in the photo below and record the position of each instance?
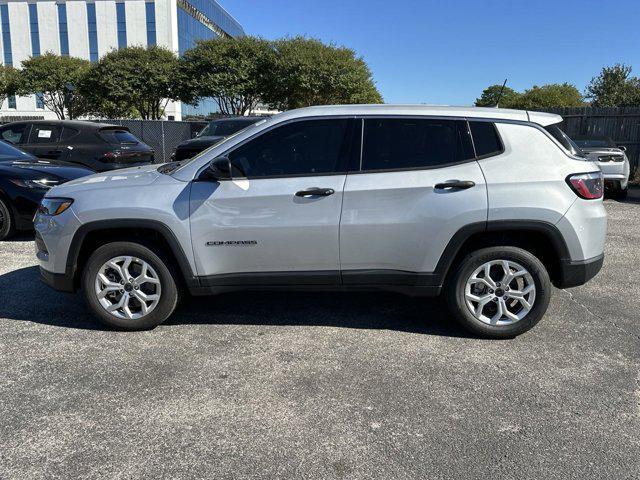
(316, 386)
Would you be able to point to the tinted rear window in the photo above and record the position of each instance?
(594, 143)
(485, 138)
(398, 143)
(224, 128)
(119, 137)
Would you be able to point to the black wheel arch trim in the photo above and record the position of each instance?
(133, 224)
(461, 236)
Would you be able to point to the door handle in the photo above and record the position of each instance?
(455, 184)
(315, 192)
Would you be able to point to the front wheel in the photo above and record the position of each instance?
(499, 292)
(128, 286)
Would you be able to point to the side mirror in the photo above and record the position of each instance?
(623, 148)
(219, 169)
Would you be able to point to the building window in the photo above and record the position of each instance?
(35, 34)
(12, 101)
(151, 23)
(64, 32)
(122, 25)
(39, 101)
(6, 34)
(93, 32)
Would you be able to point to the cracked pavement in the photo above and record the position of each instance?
(293, 385)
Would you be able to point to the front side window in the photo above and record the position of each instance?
(298, 148)
(15, 134)
(44, 134)
(406, 143)
(485, 139)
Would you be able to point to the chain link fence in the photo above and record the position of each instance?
(161, 135)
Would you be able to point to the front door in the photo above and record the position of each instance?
(277, 221)
(418, 184)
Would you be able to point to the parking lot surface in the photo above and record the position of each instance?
(292, 385)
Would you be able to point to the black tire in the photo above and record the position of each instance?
(456, 291)
(7, 224)
(619, 192)
(161, 264)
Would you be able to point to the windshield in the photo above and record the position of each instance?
(594, 143)
(224, 128)
(7, 152)
(564, 140)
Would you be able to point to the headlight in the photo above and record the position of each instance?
(42, 183)
(54, 206)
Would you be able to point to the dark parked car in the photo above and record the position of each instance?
(24, 179)
(215, 131)
(98, 146)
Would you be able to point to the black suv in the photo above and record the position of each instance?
(215, 131)
(98, 146)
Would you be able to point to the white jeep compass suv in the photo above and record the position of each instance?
(487, 206)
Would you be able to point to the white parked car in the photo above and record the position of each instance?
(487, 206)
(612, 160)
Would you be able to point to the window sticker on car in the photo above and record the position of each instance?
(44, 133)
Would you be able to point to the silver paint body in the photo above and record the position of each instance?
(390, 220)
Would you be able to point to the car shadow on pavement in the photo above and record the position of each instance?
(24, 297)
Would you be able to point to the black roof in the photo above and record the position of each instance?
(73, 123)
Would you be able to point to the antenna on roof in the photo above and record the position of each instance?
(501, 91)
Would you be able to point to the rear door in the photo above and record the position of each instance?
(44, 141)
(277, 221)
(418, 184)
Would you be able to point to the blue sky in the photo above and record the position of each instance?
(447, 51)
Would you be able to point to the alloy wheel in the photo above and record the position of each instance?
(500, 292)
(128, 287)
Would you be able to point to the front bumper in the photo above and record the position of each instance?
(575, 273)
(57, 281)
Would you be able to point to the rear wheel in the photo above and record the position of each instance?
(499, 292)
(6, 221)
(128, 286)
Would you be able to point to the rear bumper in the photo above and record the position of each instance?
(57, 281)
(575, 273)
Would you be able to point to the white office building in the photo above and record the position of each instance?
(91, 28)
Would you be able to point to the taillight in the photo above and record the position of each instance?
(587, 185)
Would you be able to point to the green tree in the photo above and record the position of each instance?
(491, 95)
(614, 87)
(133, 80)
(309, 72)
(234, 72)
(549, 96)
(56, 78)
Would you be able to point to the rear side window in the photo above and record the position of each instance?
(15, 134)
(564, 140)
(485, 139)
(44, 134)
(68, 132)
(119, 137)
(405, 143)
(298, 148)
